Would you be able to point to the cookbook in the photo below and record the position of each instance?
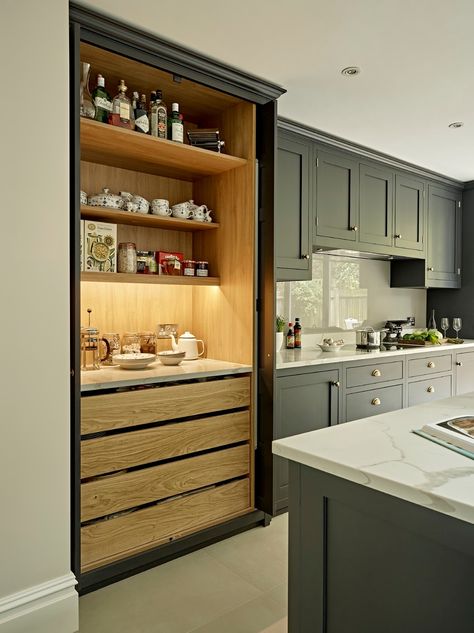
(456, 434)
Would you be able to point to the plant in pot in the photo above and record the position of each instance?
(280, 331)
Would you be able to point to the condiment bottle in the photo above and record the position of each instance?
(297, 330)
(290, 337)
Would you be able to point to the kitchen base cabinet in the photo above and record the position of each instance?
(464, 372)
(363, 404)
(421, 391)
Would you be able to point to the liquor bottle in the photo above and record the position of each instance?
(134, 107)
(142, 122)
(290, 337)
(121, 108)
(102, 101)
(432, 321)
(159, 116)
(297, 329)
(175, 125)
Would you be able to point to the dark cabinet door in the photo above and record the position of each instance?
(305, 402)
(293, 209)
(376, 205)
(464, 373)
(444, 237)
(409, 213)
(337, 196)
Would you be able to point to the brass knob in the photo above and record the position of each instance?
(431, 365)
(458, 363)
(354, 228)
(335, 383)
(430, 268)
(376, 402)
(305, 256)
(376, 373)
(398, 236)
(430, 389)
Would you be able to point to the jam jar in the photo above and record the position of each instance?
(189, 268)
(202, 269)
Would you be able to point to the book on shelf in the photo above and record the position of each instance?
(456, 434)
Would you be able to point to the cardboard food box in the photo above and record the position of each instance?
(100, 247)
(169, 263)
(82, 244)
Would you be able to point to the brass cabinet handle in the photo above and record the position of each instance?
(335, 383)
(430, 268)
(354, 228)
(376, 402)
(376, 373)
(305, 256)
(431, 365)
(430, 389)
(398, 236)
(458, 363)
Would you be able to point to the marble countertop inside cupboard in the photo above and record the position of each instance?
(382, 453)
(115, 377)
(312, 355)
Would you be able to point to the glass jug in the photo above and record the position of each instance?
(90, 354)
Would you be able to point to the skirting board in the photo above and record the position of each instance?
(51, 607)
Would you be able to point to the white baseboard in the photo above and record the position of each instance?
(51, 607)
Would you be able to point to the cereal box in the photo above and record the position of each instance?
(100, 246)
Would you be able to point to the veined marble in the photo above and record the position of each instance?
(113, 377)
(289, 358)
(382, 453)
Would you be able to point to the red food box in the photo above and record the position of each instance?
(169, 263)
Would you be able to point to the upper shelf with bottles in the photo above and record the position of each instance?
(202, 107)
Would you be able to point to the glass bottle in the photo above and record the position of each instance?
(290, 337)
(175, 125)
(87, 106)
(297, 330)
(121, 108)
(134, 107)
(159, 116)
(142, 122)
(102, 101)
(432, 321)
(152, 101)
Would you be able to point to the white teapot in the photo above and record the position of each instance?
(187, 343)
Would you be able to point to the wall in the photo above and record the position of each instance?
(36, 587)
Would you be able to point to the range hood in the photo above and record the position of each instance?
(342, 252)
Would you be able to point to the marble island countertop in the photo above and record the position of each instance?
(382, 453)
(114, 377)
(289, 358)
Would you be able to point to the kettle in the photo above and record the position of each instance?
(187, 343)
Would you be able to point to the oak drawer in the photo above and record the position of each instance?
(429, 365)
(107, 495)
(364, 404)
(373, 373)
(131, 408)
(106, 541)
(115, 452)
(431, 389)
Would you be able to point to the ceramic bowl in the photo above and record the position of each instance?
(83, 197)
(170, 357)
(141, 203)
(106, 199)
(134, 361)
(331, 347)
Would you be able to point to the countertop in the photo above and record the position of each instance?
(289, 358)
(113, 377)
(382, 453)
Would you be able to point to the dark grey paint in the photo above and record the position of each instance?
(362, 404)
(409, 212)
(376, 205)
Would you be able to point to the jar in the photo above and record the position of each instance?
(148, 342)
(113, 339)
(172, 265)
(127, 257)
(152, 263)
(142, 262)
(202, 269)
(131, 343)
(189, 268)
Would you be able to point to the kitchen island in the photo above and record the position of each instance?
(381, 526)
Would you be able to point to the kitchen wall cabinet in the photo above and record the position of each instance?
(409, 223)
(303, 402)
(464, 372)
(293, 208)
(376, 205)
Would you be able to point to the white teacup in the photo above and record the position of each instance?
(201, 213)
(141, 203)
(182, 210)
(160, 206)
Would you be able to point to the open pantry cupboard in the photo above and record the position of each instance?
(219, 309)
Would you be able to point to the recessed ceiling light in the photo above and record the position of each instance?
(350, 71)
(456, 124)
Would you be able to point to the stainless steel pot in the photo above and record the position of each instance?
(368, 338)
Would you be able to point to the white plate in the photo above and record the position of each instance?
(134, 361)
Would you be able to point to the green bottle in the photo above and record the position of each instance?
(102, 101)
(175, 125)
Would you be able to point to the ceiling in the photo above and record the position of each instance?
(415, 59)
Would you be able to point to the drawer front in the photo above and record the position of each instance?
(107, 454)
(107, 495)
(373, 373)
(131, 408)
(429, 365)
(363, 404)
(107, 541)
(431, 389)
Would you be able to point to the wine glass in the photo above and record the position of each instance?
(445, 325)
(457, 325)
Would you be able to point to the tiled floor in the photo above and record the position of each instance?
(236, 586)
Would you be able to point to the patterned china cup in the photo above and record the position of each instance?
(182, 210)
(160, 206)
(201, 213)
(142, 204)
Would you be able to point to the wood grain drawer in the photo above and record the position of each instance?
(124, 450)
(108, 495)
(364, 404)
(428, 390)
(131, 408)
(373, 373)
(106, 541)
(429, 365)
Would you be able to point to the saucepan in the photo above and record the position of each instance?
(368, 338)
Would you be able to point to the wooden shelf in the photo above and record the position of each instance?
(119, 147)
(148, 220)
(168, 280)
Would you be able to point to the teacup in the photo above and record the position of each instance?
(160, 206)
(130, 206)
(182, 210)
(126, 195)
(142, 204)
(201, 213)
(83, 197)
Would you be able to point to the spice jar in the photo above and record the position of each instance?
(131, 343)
(202, 269)
(127, 257)
(148, 342)
(189, 267)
